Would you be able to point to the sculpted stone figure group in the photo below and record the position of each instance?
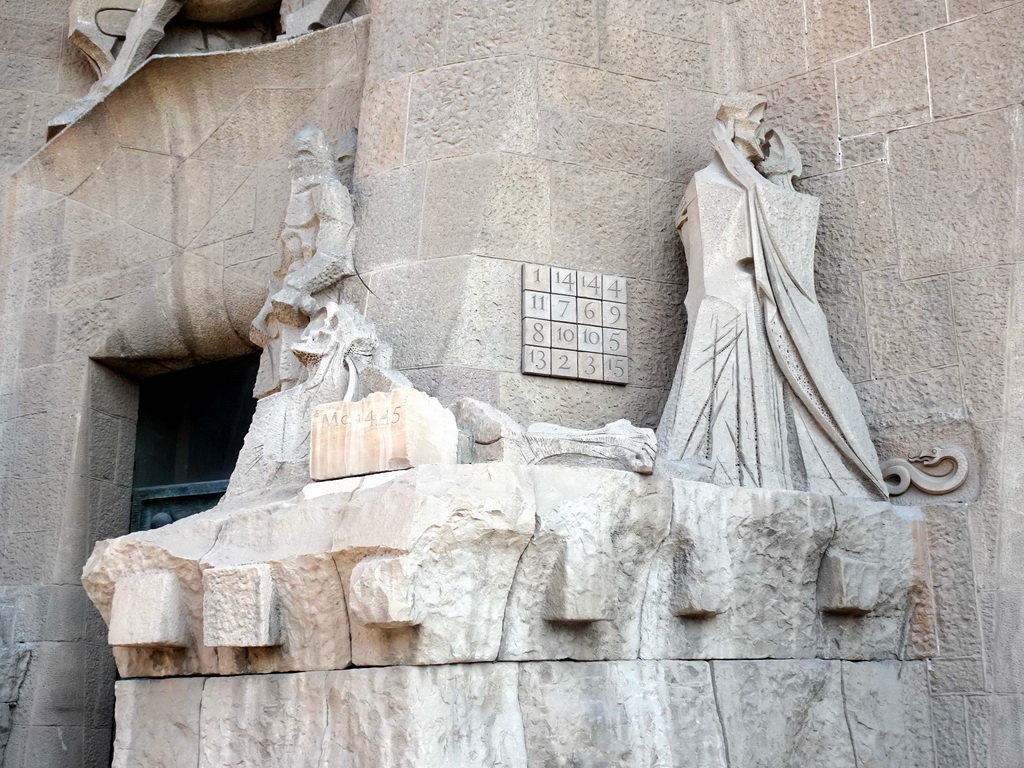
(680, 559)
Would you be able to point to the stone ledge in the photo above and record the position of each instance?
(447, 564)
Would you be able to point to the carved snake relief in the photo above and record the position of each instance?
(900, 474)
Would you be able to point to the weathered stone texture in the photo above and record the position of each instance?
(883, 89)
(948, 721)
(744, 713)
(910, 324)
(174, 703)
(959, 632)
(955, 182)
(389, 205)
(888, 713)
(759, 42)
(836, 30)
(893, 19)
(1008, 642)
(664, 714)
(977, 65)
(473, 107)
(580, 584)
(805, 108)
(802, 723)
(981, 302)
(494, 204)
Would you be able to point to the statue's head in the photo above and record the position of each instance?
(743, 115)
(312, 159)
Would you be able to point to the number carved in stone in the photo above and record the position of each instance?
(574, 324)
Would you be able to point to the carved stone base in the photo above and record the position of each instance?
(513, 715)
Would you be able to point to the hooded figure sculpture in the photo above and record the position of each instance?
(758, 399)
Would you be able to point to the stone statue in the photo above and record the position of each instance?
(98, 26)
(314, 343)
(316, 255)
(758, 399)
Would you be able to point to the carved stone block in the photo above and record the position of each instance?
(382, 593)
(381, 433)
(847, 585)
(148, 610)
(240, 607)
(579, 587)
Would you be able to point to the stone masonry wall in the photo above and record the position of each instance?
(908, 113)
(552, 131)
(492, 133)
(40, 75)
(142, 237)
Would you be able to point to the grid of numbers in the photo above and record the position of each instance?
(574, 325)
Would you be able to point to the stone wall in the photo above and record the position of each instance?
(141, 237)
(40, 75)
(909, 118)
(549, 132)
(552, 132)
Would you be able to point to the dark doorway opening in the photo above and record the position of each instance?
(191, 427)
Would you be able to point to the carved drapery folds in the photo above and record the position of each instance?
(758, 399)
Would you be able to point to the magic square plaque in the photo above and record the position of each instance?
(574, 325)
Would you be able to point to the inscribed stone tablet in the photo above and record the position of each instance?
(536, 332)
(616, 369)
(614, 342)
(565, 335)
(614, 289)
(536, 304)
(614, 315)
(536, 278)
(563, 308)
(588, 311)
(537, 360)
(591, 339)
(588, 285)
(563, 281)
(568, 311)
(382, 432)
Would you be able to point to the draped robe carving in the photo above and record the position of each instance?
(758, 399)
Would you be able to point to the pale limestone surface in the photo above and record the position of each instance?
(758, 396)
(76, 264)
(495, 436)
(176, 705)
(383, 432)
(444, 564)
(580, 584)
(715, 588)
(148, 609)
(240, 607)
(643, 713)
(802, 723)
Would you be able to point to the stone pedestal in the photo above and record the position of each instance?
(381, 433)
(811, 712)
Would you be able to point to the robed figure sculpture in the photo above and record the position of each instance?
(758, 399)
